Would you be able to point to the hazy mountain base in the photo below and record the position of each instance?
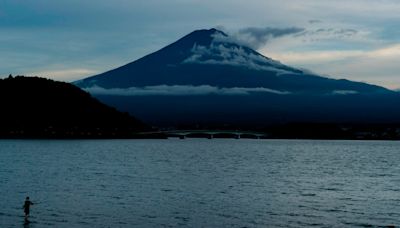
(333, 117)
(258, 110)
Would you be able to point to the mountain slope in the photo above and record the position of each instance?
(209, 57)
(208, 77)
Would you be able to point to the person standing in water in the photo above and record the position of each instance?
(26, 207)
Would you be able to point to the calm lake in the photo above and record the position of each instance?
(200, 183)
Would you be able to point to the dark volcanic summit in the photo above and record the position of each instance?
(208, 77)
(210, 57)
(34, 107)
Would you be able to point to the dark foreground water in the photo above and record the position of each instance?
(200, 183)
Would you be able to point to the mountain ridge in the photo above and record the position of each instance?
(208, 47)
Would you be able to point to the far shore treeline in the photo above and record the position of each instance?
(39, 108)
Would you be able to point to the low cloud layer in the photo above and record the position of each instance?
(180, 90)
(344, 92)
(190, 90)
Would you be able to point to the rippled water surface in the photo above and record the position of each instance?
(200, 183)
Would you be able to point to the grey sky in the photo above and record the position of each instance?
(71, 39)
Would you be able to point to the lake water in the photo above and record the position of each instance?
(200, 183)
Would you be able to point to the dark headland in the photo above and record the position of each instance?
(33, 107)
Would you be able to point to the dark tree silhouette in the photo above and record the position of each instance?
(33, 107)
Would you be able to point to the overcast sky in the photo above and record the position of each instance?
(71, 39)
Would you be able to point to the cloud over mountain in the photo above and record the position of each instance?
(221, 54)
(257, 37)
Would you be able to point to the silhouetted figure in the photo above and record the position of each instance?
(26, 207)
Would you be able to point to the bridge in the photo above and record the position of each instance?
(210, 134)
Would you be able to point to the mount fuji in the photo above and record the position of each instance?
(207, 77)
